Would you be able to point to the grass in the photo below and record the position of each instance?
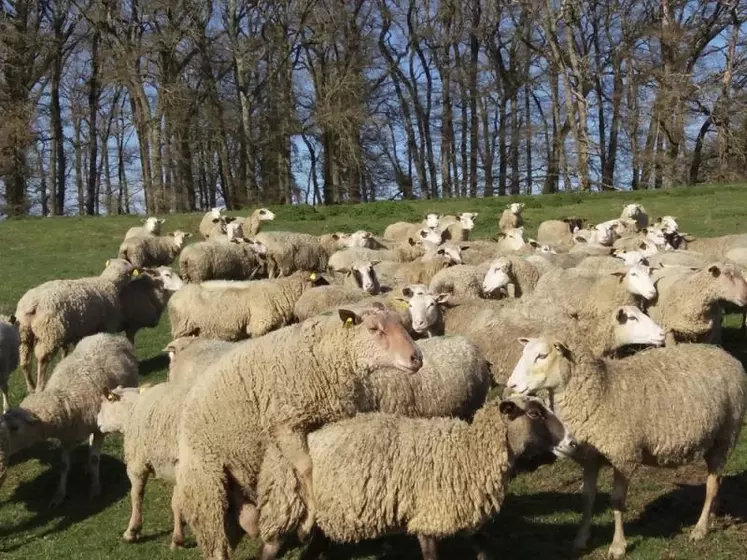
(538, 519)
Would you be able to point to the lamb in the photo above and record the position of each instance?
(66, 410)
(153, 251)
(288, 252)
(513, 274)
(61, 312)
(316, 300)
(252, 223)
(144, 299)
(688, 301)
(511, 217)
(559, 233)
(276, 390)
(460, 281)
(380, 474)
(237, 310)
(637, 213)
(208, 260)
(628, 428)
(9, 342)
(151, 227)
(461, 229)
(592, 294)
(213, 222)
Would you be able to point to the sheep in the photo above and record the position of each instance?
(238, 310)
(61, 312)
(316, 300)
(460, 281)
(151, 227)
(637, 213)
(511, 240)
(209, 260)
(9, 342)
(608, 265)
(668, 224)
(643, 240)
(253, 222)
(288, 252)
(276, 390)
(381, 474)
(688, 305)
(143, 300)
(679, 258)
(715, 248)
(511, 217)
(190, 355)
(513, 274)
(403, 252)
(559, 233)
(416, 272)
(213, 222)
(593, 294)
(233, 233)
(66, 410)
(153, 251)
(627, 428)
(402, 231)
(461, 229)
(494, 328)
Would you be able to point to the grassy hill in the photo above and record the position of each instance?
(539, 518)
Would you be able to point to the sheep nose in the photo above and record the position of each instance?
(416, 360)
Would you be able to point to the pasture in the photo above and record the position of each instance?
(539, 518)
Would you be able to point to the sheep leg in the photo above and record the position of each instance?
(294, 447)
(591, 477)
(701, 528)
(269, 550)
(177, 536)
(670, 340)
(43, 357)
(96, 442)
(6, 401)
(318, 544)
(25, 350)
(619, 493)
(247, 513)
(138, 480)
(428, 547)
(61, 492)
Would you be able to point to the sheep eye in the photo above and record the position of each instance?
(541, 357)
(534, 414)
(631, 318)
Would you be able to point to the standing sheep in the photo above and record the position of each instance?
(61, 312)
(144, 299)
(9, 343)
(237, 310)
(704, 386)
(252, 223)
(209, 260)
(276, 390)
(377, 474)
(288, 252)
(153, 251)
(151, 227)
(190, 356)
(66, 410)
(213, 222)
(511, 217)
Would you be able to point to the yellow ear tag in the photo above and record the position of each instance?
(141, 390)
(312, 277)
(107, 263)
(111, 397)
(348, 323)
(403, 304)
(136, 272)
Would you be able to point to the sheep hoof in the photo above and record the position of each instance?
(176, 545)
(130, 536)
(698, 533)
(617, 551)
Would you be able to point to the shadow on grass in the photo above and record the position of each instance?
(36, 494)
(154, 364)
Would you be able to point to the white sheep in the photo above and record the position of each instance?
(288, 252)
(559, 233)
(360, 282)
(61, 312)
(144, 299)
(461, 281)
(637, 213)
(253, 223)
(514, 275)
(152, 226)
(153, 251)
(66, 410)
(9, 343)
(235, 310)
(233, 233)
(210, 260)
(213, 222)
(511, 217)
(379, 473)
(460, 230)
(660, 407)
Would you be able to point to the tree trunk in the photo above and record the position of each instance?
(93, 111)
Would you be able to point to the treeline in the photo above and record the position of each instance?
(174, 105)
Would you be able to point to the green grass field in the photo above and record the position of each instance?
(540, 516)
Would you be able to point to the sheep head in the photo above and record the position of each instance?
(425, 309)
(633, 326)
(727, 283)
(544, 364)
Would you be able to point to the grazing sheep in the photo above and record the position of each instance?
(238, 310)
(152, 226)
(461, 281)
(66, 410)
(594, 294)
(252, 223)
(515, 275)
(275, 390)
(688, 300)
(209, 260)
(459, 231)
(379, 474)
(617, 407)
(363, 283)
(9, 343)
(288, 252)
(559, 233)
(153, 251)
(61, 312)
(637, 213)
(214, 222)
(144, 299)
(511, 217)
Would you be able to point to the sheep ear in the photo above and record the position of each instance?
(442, 298)
(620, 275)
(642, 246)
(459, 216)
(563, 350)
(440, 252)
(533, 243)
(714, 270)
(510, 410)
(407, 292)
(349, 318)
(580, 239)
(523, 341)
(620, 316)
(378, 306)
(375, 262)
(464, 247)
(12, 319)
(343, 270)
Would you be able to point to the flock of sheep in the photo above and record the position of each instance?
(298, 403)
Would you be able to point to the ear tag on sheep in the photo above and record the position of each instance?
(403, 304)
(348, 323)
(141, 390)
(111, 397)
(136, 272)
(107, 263)
(312, 277)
